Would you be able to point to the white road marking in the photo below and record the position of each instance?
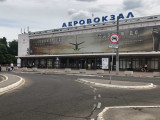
(99, 95)
(94, 106)
(6, 78)
(86, 83)
(91, 87)
(94, 90)
(99, 105)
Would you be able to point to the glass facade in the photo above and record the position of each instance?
(125, 63)
(152, 63)
(49, 63)
(43, 63)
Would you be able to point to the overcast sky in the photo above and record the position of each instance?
(50, 14)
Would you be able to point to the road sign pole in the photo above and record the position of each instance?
(114, 38)
(117, 50)
(111, 67)
(112, 60)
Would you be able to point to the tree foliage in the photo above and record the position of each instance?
(3, 41)
(13, 47)
(8, 51)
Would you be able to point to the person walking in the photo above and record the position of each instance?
(12, 66)
(145, 66)
(6, 67)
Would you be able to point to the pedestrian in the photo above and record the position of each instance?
(12, 66)
(33, 64)
(143, 69)
(145, 66)
(6, 67)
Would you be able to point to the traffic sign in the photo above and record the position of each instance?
(57, 58)
(114, 38)
(113, 45)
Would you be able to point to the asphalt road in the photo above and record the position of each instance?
(60, 97)
(52, 97)
(1, 78)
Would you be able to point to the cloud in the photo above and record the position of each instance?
(71, 11)
(142, 8)
(2, 0)
(41, 15)
(132, 4)
(9, 33)
(86, 0)
(98, 8)
(78, 15)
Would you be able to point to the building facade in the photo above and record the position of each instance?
(83, 47)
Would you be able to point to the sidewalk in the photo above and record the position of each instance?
(91, 72)
(130, 113)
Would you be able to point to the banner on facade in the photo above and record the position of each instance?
(132, 39)
(18, 62)
(105, 63)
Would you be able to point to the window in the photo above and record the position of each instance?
(125, 63)
(99, 63)
(122, 33)
(136, 32)
(131, 33)
(49, 63)
(152, 63)
(42, 63)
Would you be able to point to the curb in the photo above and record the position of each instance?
(150, 85)
(9, 87)
(57, 72)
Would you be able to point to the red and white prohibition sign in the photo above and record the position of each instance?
(114, 38)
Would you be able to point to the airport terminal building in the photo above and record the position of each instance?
(84, 47)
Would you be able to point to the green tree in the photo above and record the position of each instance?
(3, 41)
(3, 52)
(8, 51)
(10, 59)
(13, 47)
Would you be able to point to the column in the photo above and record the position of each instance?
(67, 62)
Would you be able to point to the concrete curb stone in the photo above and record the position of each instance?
(8, 84)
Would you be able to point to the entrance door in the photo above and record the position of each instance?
(81, 64)
(91, 63)
(49, 63)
